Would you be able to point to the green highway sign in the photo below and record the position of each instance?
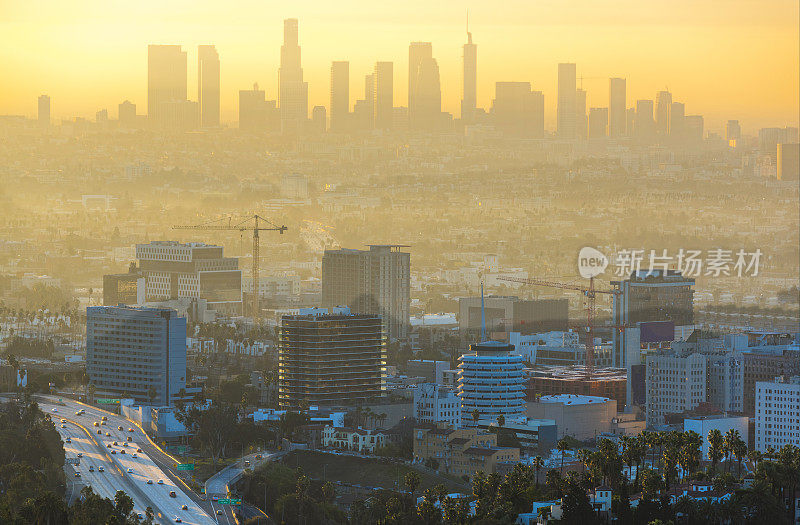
(185, 466)
(226, 501)
(108, 401)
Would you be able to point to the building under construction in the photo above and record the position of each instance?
(604, 382)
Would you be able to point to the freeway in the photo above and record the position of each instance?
(217, 487)
(150, 463)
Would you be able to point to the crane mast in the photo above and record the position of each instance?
(249, 224)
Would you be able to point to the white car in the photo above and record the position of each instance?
(54, 410)
(161, 482)
(130, 471)
(135, 455)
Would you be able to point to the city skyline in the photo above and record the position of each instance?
(118, 71)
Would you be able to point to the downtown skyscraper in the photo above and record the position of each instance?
(383, 76)
(469, 81)
(208, 85)
(424, 89)
(293, 90)
(663, 108)
(340, 96)
(617, 107)
(166, 80)
(567, 95)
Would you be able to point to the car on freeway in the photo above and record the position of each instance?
(130, 429)
(91, 468)
(119, 428)
(184, 507)
(219, 512)
(172, 494)
(113, 451)
(101, 469)
(102, 422)
(130, 471)
(68, 440)
(63, 420)
(104, 418)
(108, 445)
(138, 450)
(135, 455)
(108, 434)
(121, 451)
(161, 482)
(214, 498)
(100, 432)
(124, 443)
(130, 438)
(149, 481)
(96, 424)
(177, 519)
(63, 425)
(80, 454)
(77, 474)
(258, 456)
(115, 443)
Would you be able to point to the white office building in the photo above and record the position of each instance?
(491, 380)
(434, 403)
(777, 413)
(703, 425)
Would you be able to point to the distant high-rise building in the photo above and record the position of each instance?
(733, 132)
(319, 119)
(567, 93)
(517, 110)
(208, 85)
(425, 93)
(384, 94)
(663, 108)
(617, 104)
(469, 95)
(293, 98)
(598, 121)
(677, 114)
(340, 96)
(788, 161)
(136, 352)
(127, 114)
(694, 127)
(166, 80)
(776, 428)
(101, 116)
(630, 121)
(364, 110)
(44, 111)
(331, 358)
(644, 127)
(581, 119)
(375, 281)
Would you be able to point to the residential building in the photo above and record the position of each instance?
(535, 436)
(675, 383)
(330, 358)
(138, 353)
(375, 281)
(354, 439)
(175, 270)
(777, 413)
(437, 404)
(461, 452)
(768, 355)
(512, 313)
(491, 383)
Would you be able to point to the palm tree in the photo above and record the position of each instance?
(501, 420)
(562, 446)
(740, 451)
(714, 447)
(412, 481)
(728, 444)
(475, 416)
(538, 464)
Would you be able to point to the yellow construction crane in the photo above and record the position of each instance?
(249, 224)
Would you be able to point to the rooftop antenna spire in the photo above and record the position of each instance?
(483, 317)
(469, 35)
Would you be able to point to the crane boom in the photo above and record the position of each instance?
(590, 293)
(249, 224)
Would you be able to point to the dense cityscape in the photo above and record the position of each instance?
(377, 311)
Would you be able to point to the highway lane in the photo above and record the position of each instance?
(169, 508)
(107, 482)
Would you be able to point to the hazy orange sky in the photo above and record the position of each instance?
(724, 59)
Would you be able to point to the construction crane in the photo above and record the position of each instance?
(249, 224)
(590, 293)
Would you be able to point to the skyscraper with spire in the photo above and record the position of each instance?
(470, 79)
(293, 91)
